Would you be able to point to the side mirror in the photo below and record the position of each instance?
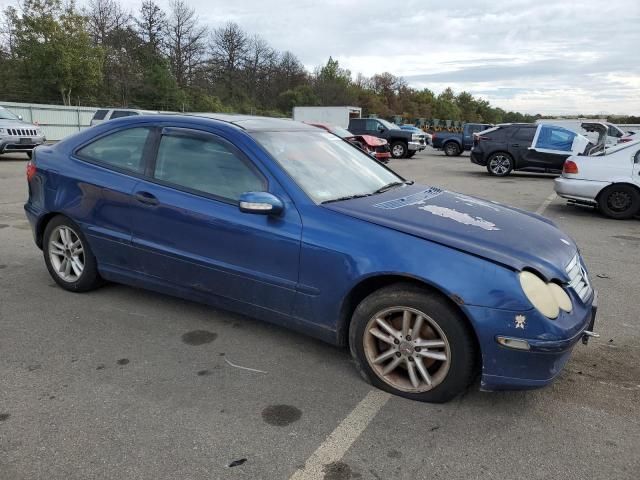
(262, 203)
(380, 128)
(20, 117)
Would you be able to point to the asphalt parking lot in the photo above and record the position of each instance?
(122, 383)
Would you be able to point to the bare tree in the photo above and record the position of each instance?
(105, 16)
(228, 46)
(151, 25)
(186, 42)
(258, 61)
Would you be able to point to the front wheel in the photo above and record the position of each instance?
(398, 149)
(68, 256)
(500, 164)
(412, 343)
(619, 201)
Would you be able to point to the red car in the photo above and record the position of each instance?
(374, 146)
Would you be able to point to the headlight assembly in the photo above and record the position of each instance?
(547, 298)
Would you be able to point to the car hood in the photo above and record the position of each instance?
(371, 140)
(499, 233)
(5, 123)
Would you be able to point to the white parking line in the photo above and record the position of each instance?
(546, 203)
(340, 440)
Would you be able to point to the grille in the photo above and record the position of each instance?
(578, 279)
(22, 132)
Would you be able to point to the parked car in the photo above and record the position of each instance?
(403, 144)
(453, 144)
(281, 221)
(105, 114)
(378, 148)
(609, 181)
(425, 137)
(526, 146)
(18, 136)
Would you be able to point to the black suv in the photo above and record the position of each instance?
(509, 147)
(403, 143)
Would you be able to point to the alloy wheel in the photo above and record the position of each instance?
(398, 151)
(500, 164)
(407, 349)
(66, 253)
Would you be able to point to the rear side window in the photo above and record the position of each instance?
(122, 113)
(100, 114)
(204, 164)
(123, 149)
(524, 134)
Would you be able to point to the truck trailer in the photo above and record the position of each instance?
(339, 116)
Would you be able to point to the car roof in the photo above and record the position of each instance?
(252, 123)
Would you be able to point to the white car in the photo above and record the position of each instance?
(105, 114)
(609, 180)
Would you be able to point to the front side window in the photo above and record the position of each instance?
(371, 126)
(324, 166)
(100, 114)
(204, 164)
(123, 149)
(122, 113)
(6, 114)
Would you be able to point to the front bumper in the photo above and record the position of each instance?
(416, 146)
(505, 368)
(579, 190)
(11, 143)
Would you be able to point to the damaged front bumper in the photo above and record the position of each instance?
(526, 361)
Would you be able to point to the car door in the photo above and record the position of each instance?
(551, 146)
(189, 230)
(520, 146)
(635, 175)
(106, 172)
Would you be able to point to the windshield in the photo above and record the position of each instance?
(6, 114)
(324, 166)
(388, 125)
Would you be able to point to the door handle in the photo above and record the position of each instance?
(146, 198)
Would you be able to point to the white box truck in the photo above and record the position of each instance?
(332, 115)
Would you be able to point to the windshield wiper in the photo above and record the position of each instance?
(347, 197)
(391, 185)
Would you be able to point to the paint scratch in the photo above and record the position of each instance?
(459, 217)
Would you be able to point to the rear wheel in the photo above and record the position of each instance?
(500, 164)
(619, 201)
(451, 149)
(398, 149)
(412, 343)
(68, 257)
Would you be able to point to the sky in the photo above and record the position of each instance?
(535, 56)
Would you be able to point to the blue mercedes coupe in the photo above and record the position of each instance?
(287, 223)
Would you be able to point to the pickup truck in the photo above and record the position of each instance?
(403, 144)
(454, 144)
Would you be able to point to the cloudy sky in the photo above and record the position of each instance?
(547, 56)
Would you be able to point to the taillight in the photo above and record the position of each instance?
(570, 167)
(31, 170)
(480, 137)
(623, 140)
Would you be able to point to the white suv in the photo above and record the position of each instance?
(105, 114)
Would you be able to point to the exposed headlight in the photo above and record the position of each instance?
(415, 136)
(547, 298)
(2, 131)
(39, 131)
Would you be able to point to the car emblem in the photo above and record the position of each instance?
(521, 320)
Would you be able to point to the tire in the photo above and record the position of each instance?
(450, 375)
(451, 149)
(500, 164)
(59, 236)
(398, 149)
(619, 201)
